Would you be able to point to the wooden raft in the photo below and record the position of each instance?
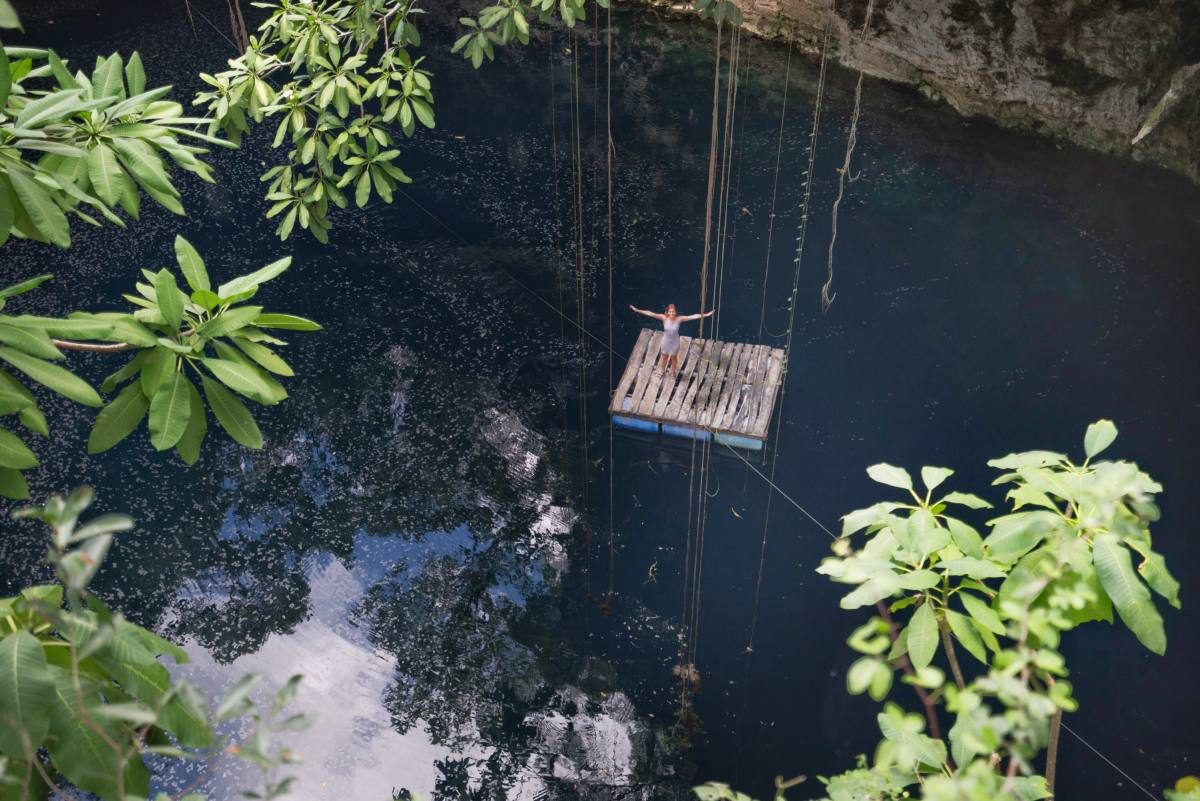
(722, 389)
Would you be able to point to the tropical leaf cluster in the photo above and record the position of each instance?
(203, 348)
(1062, 555)
(340, 80)
(84, 699)
(87, 145)
(507, 21)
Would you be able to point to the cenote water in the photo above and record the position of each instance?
(425, 540)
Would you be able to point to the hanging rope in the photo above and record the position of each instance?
(787, 352)
(787, 77)
(685, 669)
(581, 307)
(844, 174)
(608, 151)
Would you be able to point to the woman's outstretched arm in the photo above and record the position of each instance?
(644, 312)
(689, 317)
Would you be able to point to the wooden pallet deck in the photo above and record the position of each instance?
(725, 389)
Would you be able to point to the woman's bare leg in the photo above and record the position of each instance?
(675, 362)
(664, 362)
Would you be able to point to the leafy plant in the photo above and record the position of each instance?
(340, 97)
(1062, 557)
(210, 334)
(85, 145)
(83, 696)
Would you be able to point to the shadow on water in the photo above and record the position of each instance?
(414, 538)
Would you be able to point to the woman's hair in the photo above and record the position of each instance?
(669, 307)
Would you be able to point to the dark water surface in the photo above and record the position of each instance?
(413, 537)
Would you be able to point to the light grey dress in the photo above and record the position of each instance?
(670, 340)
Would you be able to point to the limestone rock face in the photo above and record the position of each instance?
(1088, 71)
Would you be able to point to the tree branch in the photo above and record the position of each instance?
(93, 347)
(951, 654)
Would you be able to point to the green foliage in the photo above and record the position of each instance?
(1062, 556)
(83, 697)
(1186, 789)
(176, 336)
(340, 78)
(86, 145)
(508, 20)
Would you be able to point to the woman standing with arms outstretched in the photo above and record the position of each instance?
(670, 341)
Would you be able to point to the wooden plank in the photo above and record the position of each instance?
(742, 413)
(740, 386)
(687, 376)
(645, 371)
(631, 369)
(679, 384)
(763, 417)
(706, 405)
(732, 391)
(658, 378)
(687, 414)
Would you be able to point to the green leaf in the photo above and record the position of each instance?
(25, 692)
(118, 419)
(1128, 594)
(30, 340)
(964, 632)
(170, 300)
(966, 499)
(289, 322)
(229, 321)
(932, 477)
(79, 751)
(1099, 436)
(105, 173)
(264, 356)
(135, 75)
(13, 484)
(43, 212)
(191, 265)
(246, 380)
(232, 414)
(197, 427)
(982, 613)
(1016, 461)
(235, 701)
(159, 364)
(260, 276)
(891, 475)
(969, 566)
(25, 286)
(52, 377)
(6, 14)
(1015, 535)
(170, 409)
(922, 636)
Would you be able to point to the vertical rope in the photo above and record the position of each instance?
(581, 305)
(608, 150)
(685, 615)
(787, 77)
(827, 297)
(803, 229)
(556, 232)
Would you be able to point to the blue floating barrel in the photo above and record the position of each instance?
(734, 441)
(687, 432)
(634, 423)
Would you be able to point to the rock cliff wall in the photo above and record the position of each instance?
(1099, 73)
